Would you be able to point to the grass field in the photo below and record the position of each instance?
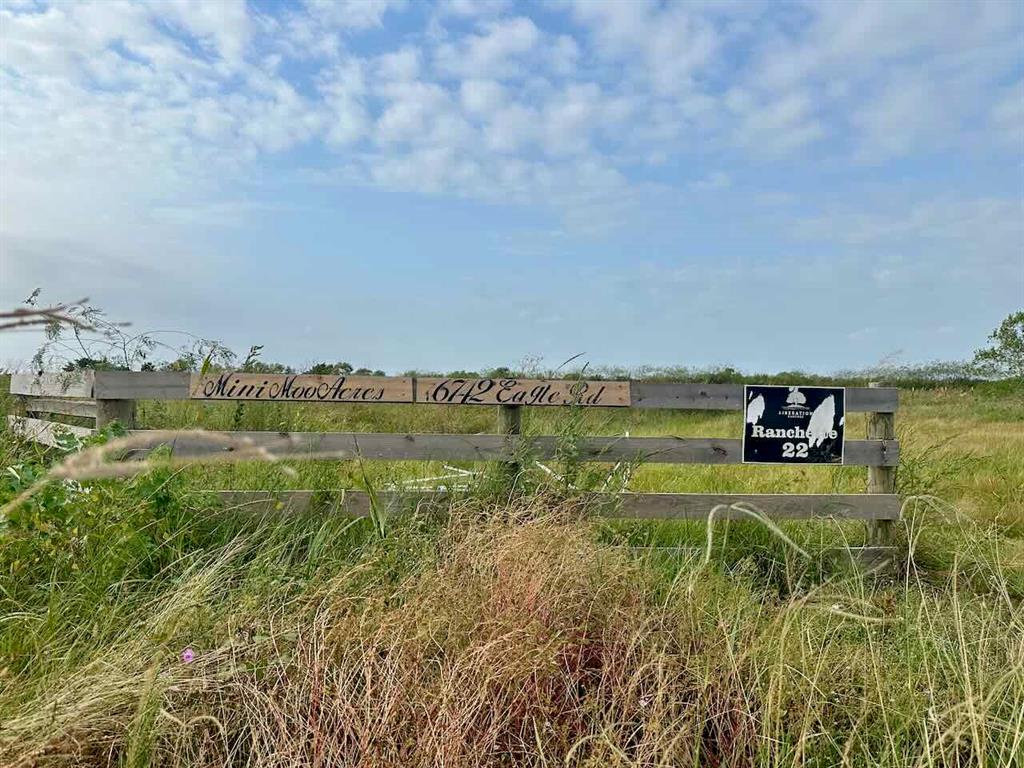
(141, 625)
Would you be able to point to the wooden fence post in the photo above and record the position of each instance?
(510, 424)
(121, 411)
(881, 426)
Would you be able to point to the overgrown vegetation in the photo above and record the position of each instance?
(142, 624)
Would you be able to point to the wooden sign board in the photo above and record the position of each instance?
(523, 392)
(301, 388)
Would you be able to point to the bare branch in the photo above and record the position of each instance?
(32, 316)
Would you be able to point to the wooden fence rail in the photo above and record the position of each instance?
(106, 396)
(483, 447)
(648, 506)
(129, 385)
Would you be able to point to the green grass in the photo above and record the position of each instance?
(515, 629)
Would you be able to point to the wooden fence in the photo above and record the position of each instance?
(104, 397)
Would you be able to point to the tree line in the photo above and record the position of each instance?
(80, 336)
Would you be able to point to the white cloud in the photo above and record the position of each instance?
(497, 53)
(224, 26)
(511, 128)
(344, 92)
(320, 28)
(673, 42)
(352, 14)
(774, 125)
(862, 38)
(563, 55)
(403, 64)
(425, 169)
(171, 97)
(975, 238)
(421, 113)
(892, 78)
(472, 8)
(482, 97)
(569, 118)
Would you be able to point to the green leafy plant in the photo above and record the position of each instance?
(1005, 354)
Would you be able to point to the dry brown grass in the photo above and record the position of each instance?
(520, 641)
(525, 645)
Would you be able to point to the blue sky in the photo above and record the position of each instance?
(467, 184)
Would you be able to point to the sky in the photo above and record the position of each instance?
(404, 185)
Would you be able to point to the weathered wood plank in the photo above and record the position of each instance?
(83, 408)
(41, 431)
(881, 480)
(697, 506)
(121, 411)
(339, 445)
(130, 385)
(707, 397)
(145, 385)
(233, 385)
(510, 424)
(651, 506)
(428, 447)
(70, 384)
(456, 391)
(729, 397)
(869, 399)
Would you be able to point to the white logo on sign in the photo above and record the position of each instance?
(794, 407)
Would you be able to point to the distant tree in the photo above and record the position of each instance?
(182, 363)
(253, 364)
(93, 364)
(331, 369)
(261, 367)
(199, 358)
(1005, 354)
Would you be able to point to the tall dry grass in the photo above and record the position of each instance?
(510, 636)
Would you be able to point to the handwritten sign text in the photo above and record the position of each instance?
(302, 388)
(456, 391)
